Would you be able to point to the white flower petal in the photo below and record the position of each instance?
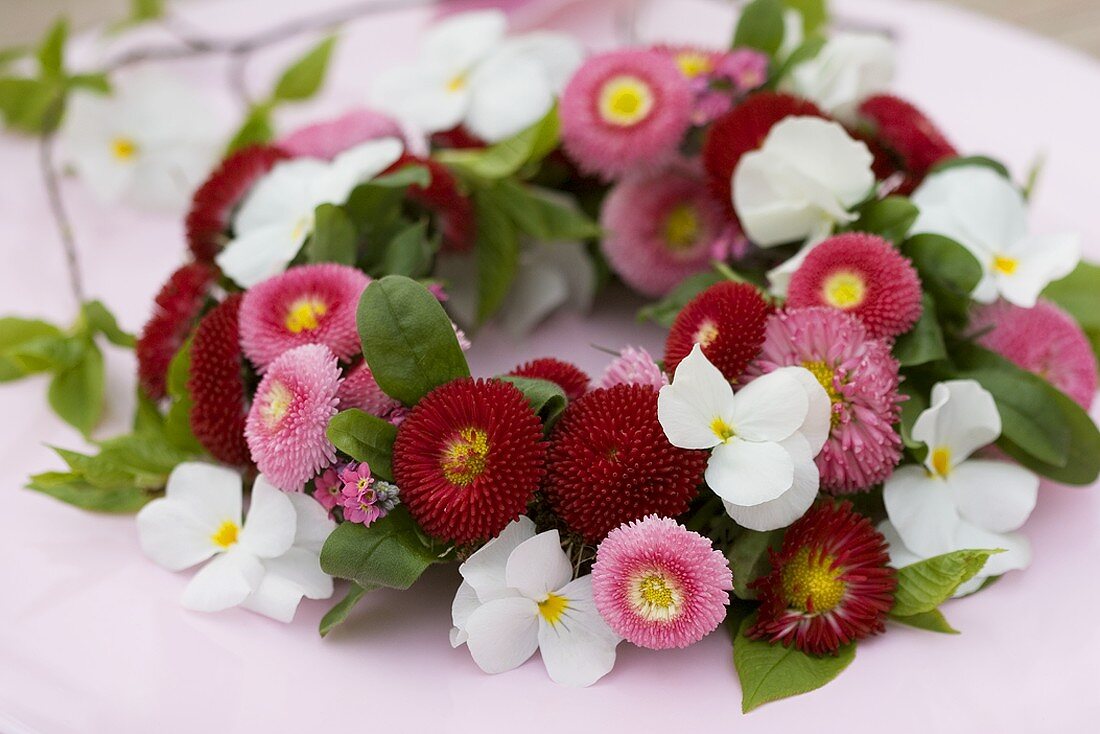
(275, 597)
(421, 98)
(537, 291)
(557, 54)
(994, 495)
(356, 165)
(538, 566)
(212, 493)
(255, 256)
(900, 556)
(462, 40)
(962, 418)
(698, 396)
(502, 634)
(464, 604)
(745, 473)
(1041, 260)
(302, 568)
(579, 648)
(269, 529)
(815, 429)
(771, 407)
(792, 504)
(921, 508)
(224, 582)
(1017, 555)
(172, 536)
(313, 524)
(771, 201)
(485, 569)
(848, 69)
(507, 97)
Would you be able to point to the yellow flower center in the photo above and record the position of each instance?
(681, 227)
(826, 377)
(226, 534)
(655, 597)
(811, 582)
(276, 404)
(553, 607)
(705, 334)
(844, 290)
(465, 457)
(724, 431)
(693, 63)
(124, 149)
(625, 101)
(305, 315)
(1006, 265)
(457, 83)
(941, 461)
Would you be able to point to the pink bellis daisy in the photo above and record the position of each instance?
(331, 137)
(1044, 340)
(625, 108)
(660, 585)
(633, 366)
(365, 498)
(360, 390)
(309, 304)
(861, 378)
(286, 426)
(662, 226)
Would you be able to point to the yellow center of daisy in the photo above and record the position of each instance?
(457, 83)
(226, 534)
(724, 431)
(1006, 265)
(941, 461)
(826, 377)
(625, 101)
(705, 334)
(465, 457)
(844, 290)
(553, 607)
(124, 149)
(811, 582)
(305, 315)
(655, 597)
(694, 63)
(681, 227)
(279, 398)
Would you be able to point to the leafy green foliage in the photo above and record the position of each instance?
(257, 128)
(497, 252)
(410, 252)
(365, 437)
(408, 340)
(76, 392)
(303, 78)
(924, 585)
(814, 13)
(546, 398)
(541, 214)
(664, 311)
(1079, 294)
(51, 53)
(889, 218)
(390, 553)
(70, 488)
(748, 558)
(20, 337)
(760, 26)
(334, 237)
(947, 270)
(972, 160)
(102, 321)
(924, 342)
(507, 157)
(932, 621)
(772, 672)
(340, 611)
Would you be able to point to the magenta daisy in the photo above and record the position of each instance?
(360, 390)
(1044, 340)
(327, 488)
(625, 108)
(633, 366)
(327, 139)
(286, 426)
(309, 304)
(660, 585)
(661, 225)
(861, 378)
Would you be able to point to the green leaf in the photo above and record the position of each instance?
(389, 553)
(51, 52)
(748, 558)
(1079, 294)
(145, 10)
(809, 49)
(771, 672)
(304, 77)
(340, 611)
(924, 342)
(947, 271)
(405, 176)
(365, 437)
(910, 411)
(814, 13)
(257, 128)
(546, 216)
(31, 106)
(497, 252)
(410, 252)
(103, 322)
(334, 237)
(74, 490)
(508, 156)
(546, 398)
(76, 393)
(15, 333)
(972, 160)
(408, 340)
(98, 83)
(932, 621)
(889, 218)
(177, 421)
(924, 585)
(664, 311)
(760, 26)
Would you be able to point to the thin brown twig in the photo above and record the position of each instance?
(61, 216)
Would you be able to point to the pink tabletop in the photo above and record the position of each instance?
(92, 637)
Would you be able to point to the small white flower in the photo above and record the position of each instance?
(149, 143)
(986, 214)
(763, 438)
(954, 502)
(468, 73)
(277, 215)
(849, 68)
(802, 182)
(517, 597)
(267, 564)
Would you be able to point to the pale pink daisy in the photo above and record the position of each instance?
(624, 109)
(329, 138)
(309, 304)
(633, 366)
(861, 378)
(286, 425)
(360, 390)
(659, 585)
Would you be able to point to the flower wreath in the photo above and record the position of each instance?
(870, 360)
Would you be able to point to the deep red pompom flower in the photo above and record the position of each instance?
(175, 309)
(453, 210)
(727, 320)
(830, 583)
(742, 130)
(611, 463)
(468, 458)
(863, 275)
(216, 384)
(570, 378)
(908, 134)
(214, 201)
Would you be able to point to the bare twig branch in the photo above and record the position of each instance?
(60, 215)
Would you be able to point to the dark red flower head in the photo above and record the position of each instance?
(908, 134)
(611, 463)
(727, 320)
(453, 210)
(468, 458)
(570, 378)
(175, 309)
(830, 583)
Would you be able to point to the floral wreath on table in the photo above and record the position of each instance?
(870, 362)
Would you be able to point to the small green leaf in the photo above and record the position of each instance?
(889, 218)
(98, 83)
(334, 237)
(410, 175)
(972, 160)
(145, 10)
(809, 49)
(508, 156)
(947, 271)
(365, 437)
(546, 216)
(771, 672)
(103, 322)
(74, 490)
(340, 611)
(497, 251)
(664, 311)
(924, 342)
(76, 393)
(749, 560)
(304, 77)
(177, 421)
(910, 410)
(15, 333)
(924, 585)
(408, 339)
(932, 621)
(51, 52)
(410, 252)
(814, 13)
(546, 398)
(31, 106)
(1079, 294)
(760, 26)
(388, 553)
(257, 128)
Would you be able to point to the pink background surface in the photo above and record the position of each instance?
(92, 638)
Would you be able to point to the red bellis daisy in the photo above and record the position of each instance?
(727, 320)
(175, 309)
(908, 134)
(568, 377)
